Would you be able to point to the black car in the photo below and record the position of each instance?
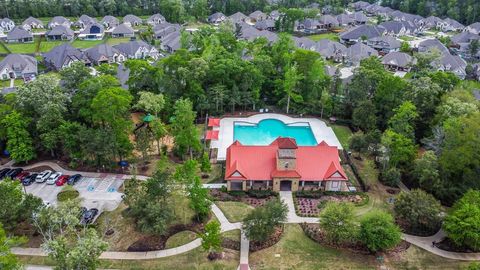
(13, 172)
(73, 179)
(3, 172)
(88, 216)
(82, 211)
(27, 181)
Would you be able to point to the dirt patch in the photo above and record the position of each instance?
(230, 244)
(34, 240)
(157, 242)
(274, 238)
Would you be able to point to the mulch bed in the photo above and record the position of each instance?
(157, 242)
(405, 226)
(230, 244)
(448, 245)
(40, 169)
(308, 207)
(256, 246)
(219, 195)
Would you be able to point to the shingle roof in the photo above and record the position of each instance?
(464, 37)
(360, 51)
(60, 30)
(157, 17)
(265, 24)
(60, 54)
(328, 48)
(131, 47)
(429, 44)
(237, 17)
(132, 19)
(454, 23)
(123, 29)
(31, 20)
(344, 19)
(216, 16)
(257, 15)
(328, 19)
(59, 20)
(85, 19)
(386, 42)
(369, 31)
(110, 20)
(172, 40)
(101, 50)
(92, 27)
(18, 33)
(399, 59)
(20, 62)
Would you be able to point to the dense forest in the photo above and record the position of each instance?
(464, 11)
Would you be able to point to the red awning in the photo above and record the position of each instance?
(212, 135)
(213, 122)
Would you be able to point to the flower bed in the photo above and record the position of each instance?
(254, 198)
(311, 203)
(274, 238)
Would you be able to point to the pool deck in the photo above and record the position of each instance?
(225, 136)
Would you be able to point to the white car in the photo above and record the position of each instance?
(43, 176)
(53, 178)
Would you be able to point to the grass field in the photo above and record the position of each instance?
(234, 211)
(115, 41)
(406, 38)
(180, 238)
(343, 134)
(233, 234)
(330, 36)
(46, 46)
(22, 47)
(84, 44)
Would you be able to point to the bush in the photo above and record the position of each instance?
(237, 193)
(261, 194)
(317, 194)
(337, 221)
(391, 177)
(378, 231)
(69, 193)
(358, 142)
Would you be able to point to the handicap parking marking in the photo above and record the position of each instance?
(115, 185)
(104, 184)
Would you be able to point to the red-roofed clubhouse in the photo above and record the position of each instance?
(283, 165)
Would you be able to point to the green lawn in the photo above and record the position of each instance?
(406, 38)
(343, 134)
(234, 211)
(6, 83)
(115, 41)
(331, 36)
(22, 47)
(84, 44)
(180, 238)
(46, 46)
(3, 48)
(233, 234)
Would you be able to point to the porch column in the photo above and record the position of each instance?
(303, 183)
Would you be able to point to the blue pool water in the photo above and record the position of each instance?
(269, 129)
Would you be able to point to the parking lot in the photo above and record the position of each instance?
(100, 192)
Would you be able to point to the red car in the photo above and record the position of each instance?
(62, 180)
(22, 175)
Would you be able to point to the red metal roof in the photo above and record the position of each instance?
(314, 163)
(212, 135)
(286, 143)
(213, 122)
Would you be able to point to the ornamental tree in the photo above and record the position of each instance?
(338, 223)
(211, 238)
(378, 231)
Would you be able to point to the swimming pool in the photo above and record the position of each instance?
(266, 131)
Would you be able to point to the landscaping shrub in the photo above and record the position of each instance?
(261, 194)
(237, 193)
(69, 193)
(316, 194)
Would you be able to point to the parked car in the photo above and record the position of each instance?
(89, 216)
(74, 179)
(22, 175)
(43, 176)
(13, 172)
(82, 211)
(62, 180)
(3, 172)
(27, 181)
(53, 178)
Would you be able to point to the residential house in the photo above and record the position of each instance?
(59, 20)
(275, 15)
(216, 18)
(309, 26)
(257, 16)
(431, 22)
(460, 43)
(345, 19)
(452, 63)
(32, 23)
(449, 25)
(156, 19)
(93, 31)
(267, 24)
(6, 24)
(110, 22)
(384, 12)
(398, 61)
(84, 21)
(164, 29)
(137, 49)
(250, 33)
(237, 17)
(19, 35)
(304, 43)
(284, 166)
(123, 30)
(105, 54)
(331, 50)
(359, 5)
(171, 42)
(328, 22)
(63, 56)
(361, 33)
(372, 9)
(15, 66)
(384, 44)
(407, 17)
(358, 52)
(431, 44)
(359, 18)
(132, 20)
(473, 28)
(399, 28)
(123, 74)
(60, 32)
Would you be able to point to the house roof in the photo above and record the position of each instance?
(431, 21)
(265, 24)
(464, 37)
(328, 19)
(18, 33)
(453, 23)
(328, 48)
(314, 163)
(60, 30)
(24, 63)
(257, 15)
(93, 27)
(369, 31)
(156, 17)
(429, 44)
(213, 122)
(101, 50)
(386, 42)
(285, 143)
(360, 51)
(110, 20)
(172, 40)
(85, 19)
(398, 59)
(474, 26)
(212, 135)
(131, 47)
(123, 29)
(237, 17)
(132, 19)
(359, 17)
(216, 16)
(344, 19)
(123, 73)
(59, 55)
(32, 21)
(452, 63)
(59, 20)
(250, 33)
(304, 43)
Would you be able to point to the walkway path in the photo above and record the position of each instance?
(244, 249)
(287, 198)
